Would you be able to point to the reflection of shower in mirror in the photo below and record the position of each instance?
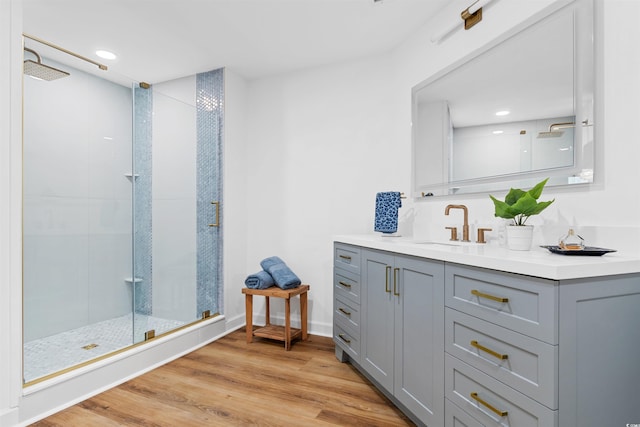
(555, 130)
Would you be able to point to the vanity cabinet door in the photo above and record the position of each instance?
(377, 329)
(403, 330)
(419, 336)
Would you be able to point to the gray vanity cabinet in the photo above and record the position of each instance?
(402, 330)
(453, 344)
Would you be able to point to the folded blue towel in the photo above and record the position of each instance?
(282, 275)
(260, 280)
(387, 204)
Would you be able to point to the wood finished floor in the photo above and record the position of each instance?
(232, 383)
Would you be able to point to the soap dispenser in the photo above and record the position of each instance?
(571, 241)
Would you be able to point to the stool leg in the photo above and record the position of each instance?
(287, 324)
(303, 314)
(249, 315)
(268, 318)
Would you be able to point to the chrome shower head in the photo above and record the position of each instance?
(40, 70)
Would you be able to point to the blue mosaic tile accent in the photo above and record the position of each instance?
(210, 123)
(142, 212)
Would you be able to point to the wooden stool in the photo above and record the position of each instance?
(281, 333)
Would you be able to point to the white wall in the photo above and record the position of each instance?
(322, 142)
(10, 211)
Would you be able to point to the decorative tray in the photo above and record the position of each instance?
(587, 251)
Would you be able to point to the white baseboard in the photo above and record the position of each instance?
(9, 417)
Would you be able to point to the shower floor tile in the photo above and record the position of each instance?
(52, 354)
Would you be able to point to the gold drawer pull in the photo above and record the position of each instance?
(345, 312)
(347, 257)
(491, 407)
(488, 350)
(348, 341)
(487, 296)
(346, 285)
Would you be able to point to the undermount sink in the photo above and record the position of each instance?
(427, 242)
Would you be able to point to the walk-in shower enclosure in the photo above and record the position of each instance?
(122, 215)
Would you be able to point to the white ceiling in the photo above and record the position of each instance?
(159, 40)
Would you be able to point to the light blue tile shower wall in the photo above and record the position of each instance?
(142, 223)
(209, 121)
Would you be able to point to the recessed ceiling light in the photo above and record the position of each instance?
(502, 113)
(498, 132)
(105, 54)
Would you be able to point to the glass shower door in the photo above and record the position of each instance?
(177, 234)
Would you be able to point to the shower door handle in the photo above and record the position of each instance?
(217, 223)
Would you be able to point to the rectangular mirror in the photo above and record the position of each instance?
(516, 112)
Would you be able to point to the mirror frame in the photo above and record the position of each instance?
(582, 171)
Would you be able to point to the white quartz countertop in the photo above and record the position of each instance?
(538, 262)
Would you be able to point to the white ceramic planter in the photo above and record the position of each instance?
(519, 237)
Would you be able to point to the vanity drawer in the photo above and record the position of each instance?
(456, 417)
(346, 257)
(347, 313)
(346, 285)
(525, 304)
(347, 341)
(524, 363)
(484, 398)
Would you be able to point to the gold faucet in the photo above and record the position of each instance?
(465, 227)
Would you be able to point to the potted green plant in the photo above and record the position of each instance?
(518, 206)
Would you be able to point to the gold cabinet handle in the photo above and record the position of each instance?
(475, 344)
(346, 285)
(345, 312)
(395, 282)
(347, 257)
(487, 296)
(217, 223)
(387, 270)
(491, 407)
(342, 337)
